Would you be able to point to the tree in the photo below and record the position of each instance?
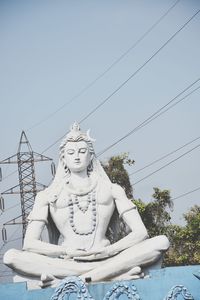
(115, 169)
(185, 240)
(155, 214)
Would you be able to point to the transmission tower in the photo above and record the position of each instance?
(28, 187)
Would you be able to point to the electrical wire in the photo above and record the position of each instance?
(145, 122)
(14, 240)
(9, 175)
(6, 272)
(130, 77)
(11, 207)
(166, 165)
(12, 173)
(164, 156)
(154, 116)
(139, 69)
(10, 240)
(185, 194)
(109, 68)
(12, 235)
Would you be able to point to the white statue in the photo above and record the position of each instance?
(78, 205)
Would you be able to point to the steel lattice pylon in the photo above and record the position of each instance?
(27, 182)
(28, 187)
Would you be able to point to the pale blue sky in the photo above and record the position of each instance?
(51, 50)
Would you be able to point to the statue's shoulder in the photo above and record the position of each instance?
(117, 191)
(42, 199)
(123, 204)
(40, 208)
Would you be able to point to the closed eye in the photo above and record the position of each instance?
(82, 150)
(70, 151)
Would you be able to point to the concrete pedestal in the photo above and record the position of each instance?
(164, 284)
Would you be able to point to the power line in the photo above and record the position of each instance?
(185, 194)
(6, 272)
(9, 175)
(164, 156)
(130, 77)
(145, 122)
(166, 165)
(28, 187)
(12, 235)
(109, 68)
(155, 115)
(11, 207)
(139, 69)
(14, 240)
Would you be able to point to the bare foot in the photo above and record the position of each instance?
(134, 273)
(48, 280)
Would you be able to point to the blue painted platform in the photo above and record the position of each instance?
(164, 284)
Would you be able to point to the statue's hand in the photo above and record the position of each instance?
(72, 253)
(97, 255)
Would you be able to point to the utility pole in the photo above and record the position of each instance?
(28, 187)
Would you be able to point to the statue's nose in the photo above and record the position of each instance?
(76, 155)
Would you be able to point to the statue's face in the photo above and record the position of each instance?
(77, 156)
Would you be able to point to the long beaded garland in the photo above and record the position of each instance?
(91, 199)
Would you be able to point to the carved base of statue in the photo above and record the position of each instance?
(170, 283)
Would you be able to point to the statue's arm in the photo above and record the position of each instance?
(128, 211)
(38, 219)
(32, 242)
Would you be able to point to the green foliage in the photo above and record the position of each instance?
(155, 214)
(185, 240)
(115, 169)
(193, 221)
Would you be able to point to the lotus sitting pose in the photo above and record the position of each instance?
(78, 205)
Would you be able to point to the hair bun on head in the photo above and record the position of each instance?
(75, 135)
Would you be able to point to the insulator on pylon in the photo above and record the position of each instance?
(2, 206)
(4, 234)
(0, 174)
(53, 169)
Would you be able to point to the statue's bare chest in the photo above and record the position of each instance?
(82, 213)
(102, 196)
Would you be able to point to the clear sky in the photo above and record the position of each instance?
(51, 50)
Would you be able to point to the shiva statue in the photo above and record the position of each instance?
(78, 206)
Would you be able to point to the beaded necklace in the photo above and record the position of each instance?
(91, 201)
